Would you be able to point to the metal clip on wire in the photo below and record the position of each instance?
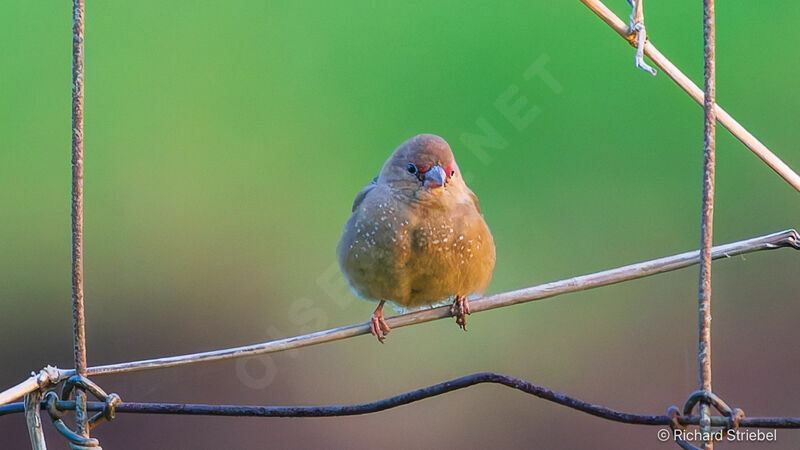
(673, 412)
(734, 415)
(111, 400)
(76, 441)
(109, 409)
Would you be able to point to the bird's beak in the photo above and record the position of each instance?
(435, 177)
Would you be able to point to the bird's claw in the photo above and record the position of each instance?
(378, 327)
(460, 310)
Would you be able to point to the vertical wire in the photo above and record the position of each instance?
(707, 220)
(78, 318)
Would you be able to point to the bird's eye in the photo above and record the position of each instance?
(412, 169)
(452, 172)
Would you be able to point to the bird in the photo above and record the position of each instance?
(416, 236)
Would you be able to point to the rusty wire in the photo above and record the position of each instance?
(411, 397)
(78, 316)
(707, 217)
(705, 398)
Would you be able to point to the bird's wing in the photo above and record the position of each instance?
(362, 194)
(475, 201)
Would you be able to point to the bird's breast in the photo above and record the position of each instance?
(414, 254)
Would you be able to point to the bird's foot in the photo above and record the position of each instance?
(460, 310)
(378, 326)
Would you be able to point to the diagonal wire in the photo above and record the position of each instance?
(786, 238)
(706, 254)
(696, 93)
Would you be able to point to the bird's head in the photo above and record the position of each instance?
(424, 165)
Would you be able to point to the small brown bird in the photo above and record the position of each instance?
(416, 236)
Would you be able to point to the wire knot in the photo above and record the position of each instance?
(110, 407)
(110, 402)
(636, 26)
(57, 416)
(734, 415)
(49, 376)
(674, 424)
(734, 418)
(707, 397)
(674, 413)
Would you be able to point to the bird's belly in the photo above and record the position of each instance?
(418, 264)
(448, 260)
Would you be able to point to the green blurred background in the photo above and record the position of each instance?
(226, 141)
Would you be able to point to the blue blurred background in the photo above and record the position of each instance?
(226, 141)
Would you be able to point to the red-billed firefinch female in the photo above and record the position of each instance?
(416, 236)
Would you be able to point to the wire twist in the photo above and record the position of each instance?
(73, 383)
